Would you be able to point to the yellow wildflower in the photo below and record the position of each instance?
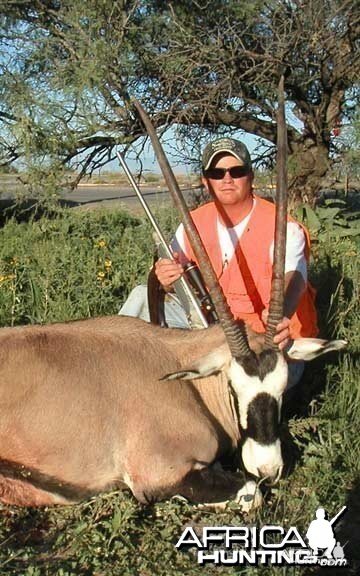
(101, 244)
(4, 277)
(100, 275)
(107, 263)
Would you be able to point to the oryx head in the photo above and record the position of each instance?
(258, 381)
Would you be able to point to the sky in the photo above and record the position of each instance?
(150, 163)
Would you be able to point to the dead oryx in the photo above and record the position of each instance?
(85, 408)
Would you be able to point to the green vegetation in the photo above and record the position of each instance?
(335, 218)
(77, 264)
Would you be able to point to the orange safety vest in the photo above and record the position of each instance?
(246, 281)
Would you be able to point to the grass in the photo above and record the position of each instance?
(74, 265)
(79, 264)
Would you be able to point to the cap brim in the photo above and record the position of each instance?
(220, 152)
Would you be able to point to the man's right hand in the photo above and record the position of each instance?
(168, 271)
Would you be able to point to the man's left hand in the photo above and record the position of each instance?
(282, 336)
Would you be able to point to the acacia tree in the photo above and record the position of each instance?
(70, 71)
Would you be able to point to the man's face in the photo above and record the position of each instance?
(228, 190)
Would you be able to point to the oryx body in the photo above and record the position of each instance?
(83, 409)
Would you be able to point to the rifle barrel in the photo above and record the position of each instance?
(182, 281)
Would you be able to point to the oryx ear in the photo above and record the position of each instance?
(310, 348)
(208, 365)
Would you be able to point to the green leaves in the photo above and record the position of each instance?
(304, 213)
(335, 218)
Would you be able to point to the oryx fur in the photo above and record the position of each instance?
(84, 408)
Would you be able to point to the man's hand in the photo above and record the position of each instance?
(168, 271)
(282, 336)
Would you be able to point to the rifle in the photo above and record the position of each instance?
(191, 281)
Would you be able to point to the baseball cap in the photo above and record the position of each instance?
(234, 147)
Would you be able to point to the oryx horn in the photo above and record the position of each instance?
(276, 306)
(234, 333)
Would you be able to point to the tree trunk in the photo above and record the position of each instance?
(308, 166)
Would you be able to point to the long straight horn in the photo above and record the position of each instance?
(276, 306)
(234, 333)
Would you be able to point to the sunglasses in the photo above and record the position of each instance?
(219, 173)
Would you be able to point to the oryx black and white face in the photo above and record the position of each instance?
(258, 383)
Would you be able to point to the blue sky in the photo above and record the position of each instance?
(150, 163)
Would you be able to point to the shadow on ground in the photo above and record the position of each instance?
(29, 209)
